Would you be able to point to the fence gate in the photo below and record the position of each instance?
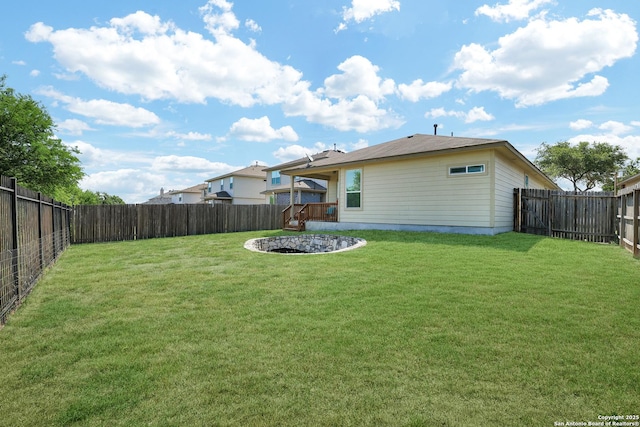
(568, 215)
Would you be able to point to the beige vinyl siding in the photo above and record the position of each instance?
(510, 175)
(332, 191)
(421, 192)
(246, 191)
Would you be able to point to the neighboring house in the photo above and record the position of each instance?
(424, 183)
(242, 187)
(305, 190)
(629, 182)
(189, 195)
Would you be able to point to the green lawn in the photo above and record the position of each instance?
(414, 329)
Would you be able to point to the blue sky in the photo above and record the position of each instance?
(159, 93)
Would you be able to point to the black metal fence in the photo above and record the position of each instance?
(34, 231)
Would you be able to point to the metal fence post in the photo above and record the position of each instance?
(14, 218)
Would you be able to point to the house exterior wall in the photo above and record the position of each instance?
(509, 175)
(284, 180)
(246, 191)
(332, 190)
(186, 198)
(420, 192)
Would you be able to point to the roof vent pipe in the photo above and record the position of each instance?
(435, 129)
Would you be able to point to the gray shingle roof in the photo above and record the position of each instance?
(407, 146)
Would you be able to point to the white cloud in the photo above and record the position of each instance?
(260, 130)
(616, 128)
(360, 114)
(474, 115)
(514, 10)
(581, 124)
(165, 62)
(190, 136)
(361, 143)
(359, 77)
(295, 151)
(362, 10)
(142, 55)
(252, 25)
(34, 73)
(173, 163)
(92, 156)
(549, 60)
(105, 112)
(19, 62)
(73, 126)
(219, 18)
(132, 185)
(418, 90)
(630, 143)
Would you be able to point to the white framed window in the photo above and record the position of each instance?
(526, 181)
(231, 183)
(210, 187)
(353, 187)
(222, 184)
(466, 170)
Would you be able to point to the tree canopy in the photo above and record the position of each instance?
(29, 149)
(585, 165)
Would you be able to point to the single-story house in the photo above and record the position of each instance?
(241, 187)
(422, 183)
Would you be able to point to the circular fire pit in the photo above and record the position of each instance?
(304, 244)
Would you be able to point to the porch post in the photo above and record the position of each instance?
(292, 198)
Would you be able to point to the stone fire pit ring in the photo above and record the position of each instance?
(304, 244)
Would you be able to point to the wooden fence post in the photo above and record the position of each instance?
(636, 213)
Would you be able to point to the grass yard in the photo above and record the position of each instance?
(414, 329)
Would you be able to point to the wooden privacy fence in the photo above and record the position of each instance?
(34, 231)
(629, 219)
(106, 223)
(579, 216)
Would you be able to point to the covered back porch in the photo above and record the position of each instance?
(296, 215)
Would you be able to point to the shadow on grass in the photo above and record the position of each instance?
(511, 241)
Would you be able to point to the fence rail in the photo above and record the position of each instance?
(567, 215)
(107, 223)
(34, 231)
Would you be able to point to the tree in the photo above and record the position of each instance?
(76, 196)
(585, 165)
(630, 169)
(97, 198)
(29, 149)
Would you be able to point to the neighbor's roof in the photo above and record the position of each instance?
(418, 145)
(255, 171)
(219, 195)
(195, 189)
(307, 185)
(630, 181)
